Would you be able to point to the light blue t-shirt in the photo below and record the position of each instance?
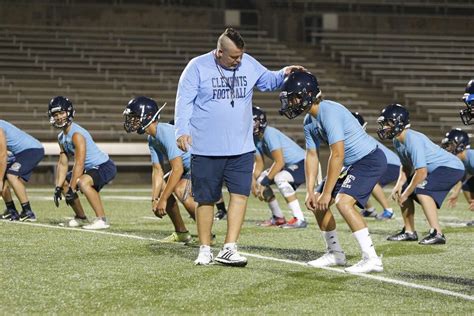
(94, 156)
(310, 133)
(392, 158)
(203, 104)
(18, 140)
(163, 146)
(469, 162)
(273, 140)
(418, 151)
(335, 123)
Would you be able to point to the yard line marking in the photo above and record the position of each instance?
(368, 276)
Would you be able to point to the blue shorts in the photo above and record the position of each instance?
(468, 185)
(437, 184)
(209, 172)
(101, 174)
(297, 172)
(391, 175)
(360, 178)
(24, 162)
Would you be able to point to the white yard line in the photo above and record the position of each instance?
(367, 276)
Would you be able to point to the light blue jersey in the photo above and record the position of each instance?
(272, 140)
(469, 162)
(392, 158)
(310, 132)
(418, 151)
(94, 156)
(163, 146)
(335, 123)
(18, 140)
(220, 122)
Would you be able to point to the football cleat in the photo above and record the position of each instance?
(367, 213)
(295, 223)
(366, 265)
(329, 259)
(230, 257)
(220, 215)
(27, 216)
(77, 222)
(178, 237)
(403, 236)
(433, 238)
(97, 223)
(204, 258)
(10, 215)
(273, 221)
(385, 215)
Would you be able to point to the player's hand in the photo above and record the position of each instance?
(396, 192)
(322, 202)
(58, 195)
(310, 201)
(159, 207)
(254, 187)
(70, 196)
(184, 142)
(402, 198)
(452, 200)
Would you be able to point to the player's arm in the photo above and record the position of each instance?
(61, 167)
(418, 177)
(258, 166)
(397, 189)
(3, 156)
(277, 165)
(453, 198)
(173, 178)
(335, 163)
(311, 169)
(156, 181)
(79, 159)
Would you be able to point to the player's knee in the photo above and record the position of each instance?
(284, 186)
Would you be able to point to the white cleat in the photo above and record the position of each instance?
(204, 259)
(97, 223)
(329, 259)
(77, 222)
(366, 265)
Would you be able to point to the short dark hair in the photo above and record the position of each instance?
(235, 37)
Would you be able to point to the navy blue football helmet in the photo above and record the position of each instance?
(456, 141)
(60, 104)
(468, 98)
(259, 121)
(140, 113)
(300, 89)
(359, 118)
(393, 120)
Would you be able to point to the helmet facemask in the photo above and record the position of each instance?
(467, 114)
(132, 122)
(67, 120)
(389, 128)
(293, 104)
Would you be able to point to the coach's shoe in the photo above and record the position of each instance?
(77, 222)
(97, 223)
(433, 238)
(27, 216)
(471, 223)
(403, 236)
(272, 221)
(368, 213)
(11, 215)
(386, 215)
(295, 223)
(178, 237)
(194, 242)
(366, 265)
(329, 259)
(230, 256)
(204, 258)
(220, 215)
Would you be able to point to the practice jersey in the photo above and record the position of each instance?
(94, 156)
(310, 133)
(392, 158)
(18, 140)
(163, 146)
(272, 140)
(418, 151)
(469, 161)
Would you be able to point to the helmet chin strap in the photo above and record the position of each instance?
(155, 117)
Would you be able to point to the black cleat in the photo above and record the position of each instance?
(433, 238)
(403, 236)
(220, 215)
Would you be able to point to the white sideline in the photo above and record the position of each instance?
(368, 276)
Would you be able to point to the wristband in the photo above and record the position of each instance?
(265, 181)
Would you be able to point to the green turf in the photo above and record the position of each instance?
(62, 271)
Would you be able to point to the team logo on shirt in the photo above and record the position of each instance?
(15, 167)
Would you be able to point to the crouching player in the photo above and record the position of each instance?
(426, 176)
(16, 168)
(457, 143)
(286, 171)
(92, 168)
(141, 116)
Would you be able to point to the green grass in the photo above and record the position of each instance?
(62, 271)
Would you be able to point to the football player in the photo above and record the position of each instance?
(92, 169)
(457, 143)
(142, 116)
(286, 171)
(16, 168)
(426, 176)
(468, 99)
(350, 147)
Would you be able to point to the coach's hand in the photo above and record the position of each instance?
(184, 142)
(58, 195)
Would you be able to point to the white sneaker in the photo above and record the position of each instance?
(204, 258)
(97, 223)
(366, 265)
(329, 259)
(77, 222)
(230, 256)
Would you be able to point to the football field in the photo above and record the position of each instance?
(47, 268)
